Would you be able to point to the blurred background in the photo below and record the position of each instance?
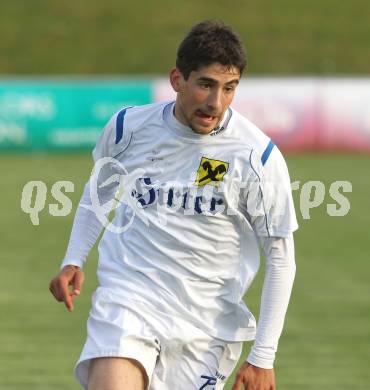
(66, 67)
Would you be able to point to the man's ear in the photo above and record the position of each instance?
(175, 79)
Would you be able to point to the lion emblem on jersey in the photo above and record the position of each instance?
(211, 172)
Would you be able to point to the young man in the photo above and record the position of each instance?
(199, 189)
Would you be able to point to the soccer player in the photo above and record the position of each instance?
(197, 191)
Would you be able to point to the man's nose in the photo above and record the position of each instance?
(214, 101)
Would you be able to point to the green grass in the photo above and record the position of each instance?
(325, 344)
(89, 37)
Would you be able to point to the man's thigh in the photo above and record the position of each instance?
(111, 373)
(115, 331)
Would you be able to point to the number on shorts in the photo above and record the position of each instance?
(211, 381)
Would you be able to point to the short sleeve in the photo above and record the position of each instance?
(105, 144)
(114, 137)
(271, 209)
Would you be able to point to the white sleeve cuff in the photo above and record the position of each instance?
(77, 263)
(262, 357)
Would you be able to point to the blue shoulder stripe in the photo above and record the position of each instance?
(267, 152)
(119, 124)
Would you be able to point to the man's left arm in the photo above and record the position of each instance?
(257, 372)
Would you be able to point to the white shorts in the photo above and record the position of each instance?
(175, 354)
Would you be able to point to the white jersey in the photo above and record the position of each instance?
(184, 238)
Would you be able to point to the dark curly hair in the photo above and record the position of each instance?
(210, 42)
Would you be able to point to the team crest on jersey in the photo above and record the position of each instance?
(211, 172)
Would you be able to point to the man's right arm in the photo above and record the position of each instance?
(93, 209)
(88, 222)
(85, 232)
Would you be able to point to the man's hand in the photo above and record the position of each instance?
(254, 378)
(70, 275)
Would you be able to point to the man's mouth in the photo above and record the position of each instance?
(204, 116)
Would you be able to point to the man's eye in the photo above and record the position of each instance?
(206, 86)
(229, 89)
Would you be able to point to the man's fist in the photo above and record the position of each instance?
(70, 275)
(254, 378)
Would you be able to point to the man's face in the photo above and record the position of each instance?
(204, 97)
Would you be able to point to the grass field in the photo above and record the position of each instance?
(326, 342)
(90, 37)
